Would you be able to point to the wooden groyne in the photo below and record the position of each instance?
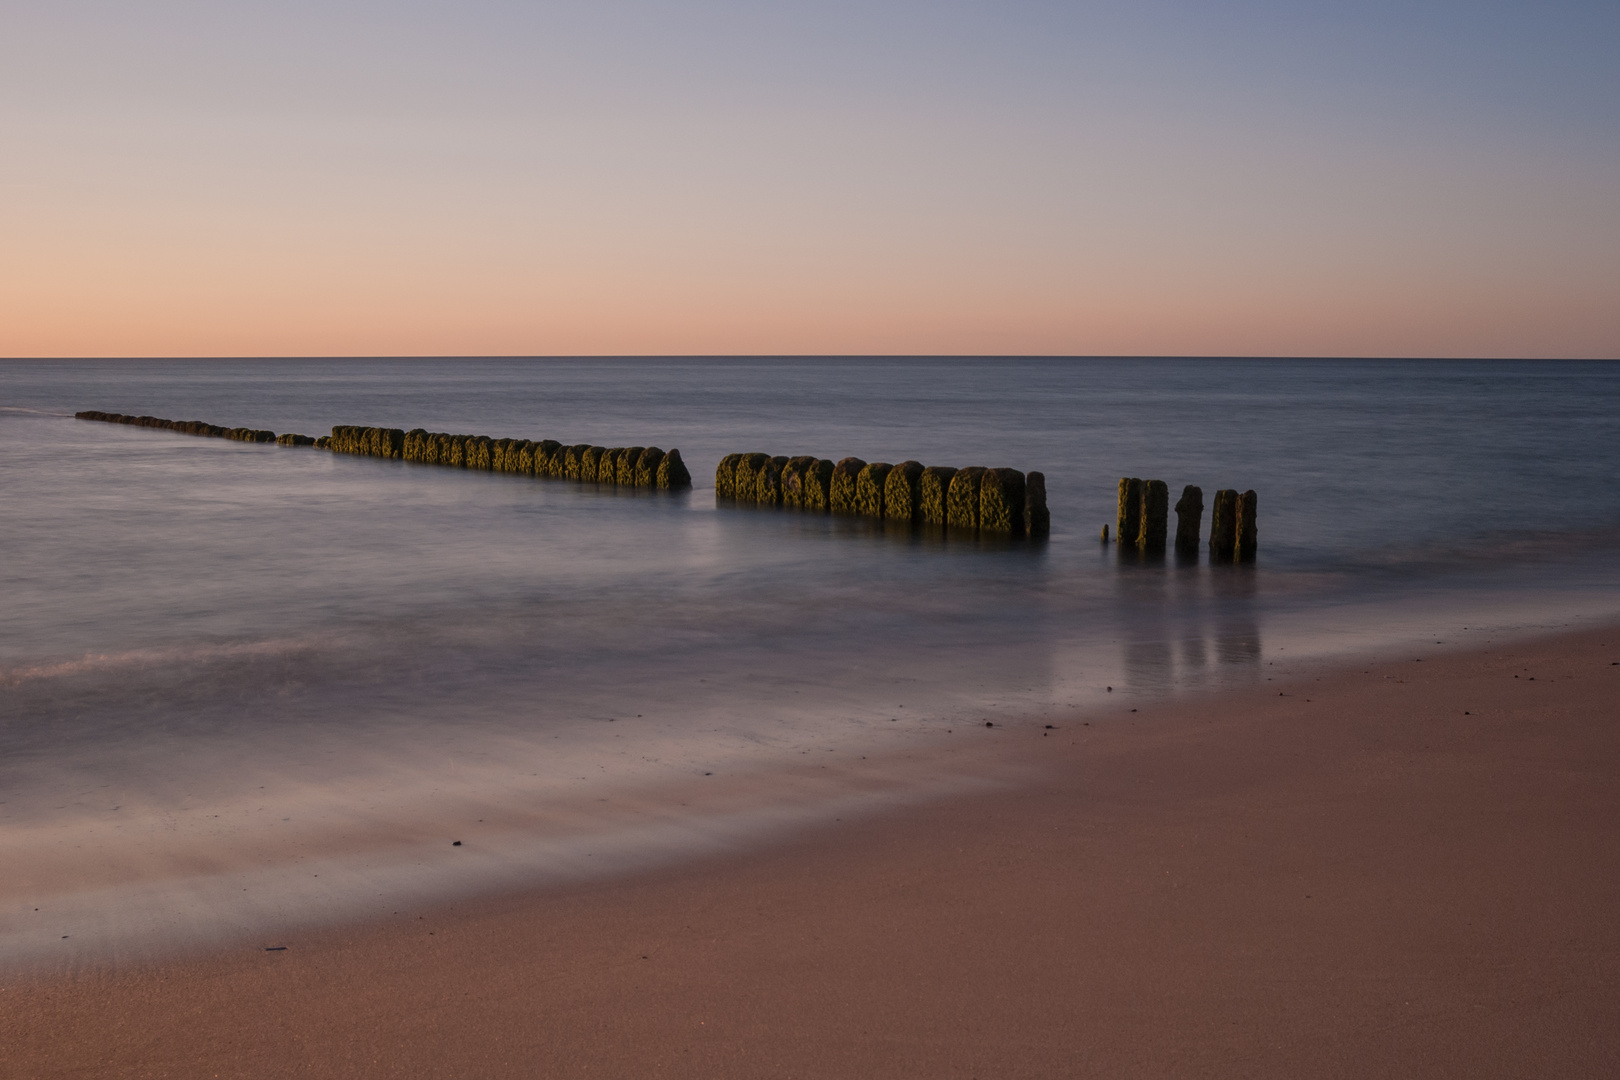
(1143, 520)
(190, 427)
(634, 466)
(622, 466)
(997, 501)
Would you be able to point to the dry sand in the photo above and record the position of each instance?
(1410, 869)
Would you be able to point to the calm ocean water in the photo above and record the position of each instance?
(226, 669)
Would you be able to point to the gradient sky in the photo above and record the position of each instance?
(479, 177)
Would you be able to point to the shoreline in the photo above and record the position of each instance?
(1406, 866)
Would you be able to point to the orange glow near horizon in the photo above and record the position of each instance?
(277, 182)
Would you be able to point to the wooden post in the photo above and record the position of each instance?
(900, 492)
(1001, 502)
(933, 492)
(844, 475)
(1129, 523)
(1189, 520)
(1248, 536)
(1223, 526)
(869, 485)
(1036, 518)
(1155, 517)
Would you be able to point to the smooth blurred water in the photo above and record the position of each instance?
(184, 615)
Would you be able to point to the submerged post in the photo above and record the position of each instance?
(1129, 524)
(841, 498)
(1001, 501)
(1248, 536)
(901, 491)
(1189, 520)
(1223, 526)
(1155, 517)
(1036, 517)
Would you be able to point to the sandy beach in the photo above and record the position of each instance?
(1402, 869)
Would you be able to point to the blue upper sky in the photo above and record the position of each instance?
(881, 176)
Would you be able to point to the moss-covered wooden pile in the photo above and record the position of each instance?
(997, 501)
(635, 466)
(191, 427)
(621, 466)
(1143, 520)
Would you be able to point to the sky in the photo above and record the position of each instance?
(489, 177)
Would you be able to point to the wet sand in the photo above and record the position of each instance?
(1405, 869)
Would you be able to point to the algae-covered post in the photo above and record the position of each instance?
(1248, 535)
(768, 482)
(1189, 520)
(1223, 526)
(647, 467)
(590, 463)
(869, 483)
(901, 491)
(962, 500)
(607, 467)
(841, 499)
(746, 483)
(817, 481)
(1129, 522)
(1155, 516)
(1037, 520)
(933, 493)
(1001, 502)
(793, 480)
(725, 476)
(625, 468)
(673, 474)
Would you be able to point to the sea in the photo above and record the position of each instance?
(251, 691)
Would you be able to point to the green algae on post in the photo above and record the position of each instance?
(672, 473)
(869, 484)
(746, 483)
(841, 498)
(793, 480)
(590, 463)
(1129, 521)
(933, 490)
(962, 500)
(768, 483)
(647, 467)
(725, 476)
(900, 492)
(1001, 501)
(816, 482)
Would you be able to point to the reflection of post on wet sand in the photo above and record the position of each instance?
(1188, 627)
(1237, 641)
(1149, 665)
(1236, 630)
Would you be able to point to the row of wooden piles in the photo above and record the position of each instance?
(184, 427)
(623, 466)
(1143, 520)
(1003, 501)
